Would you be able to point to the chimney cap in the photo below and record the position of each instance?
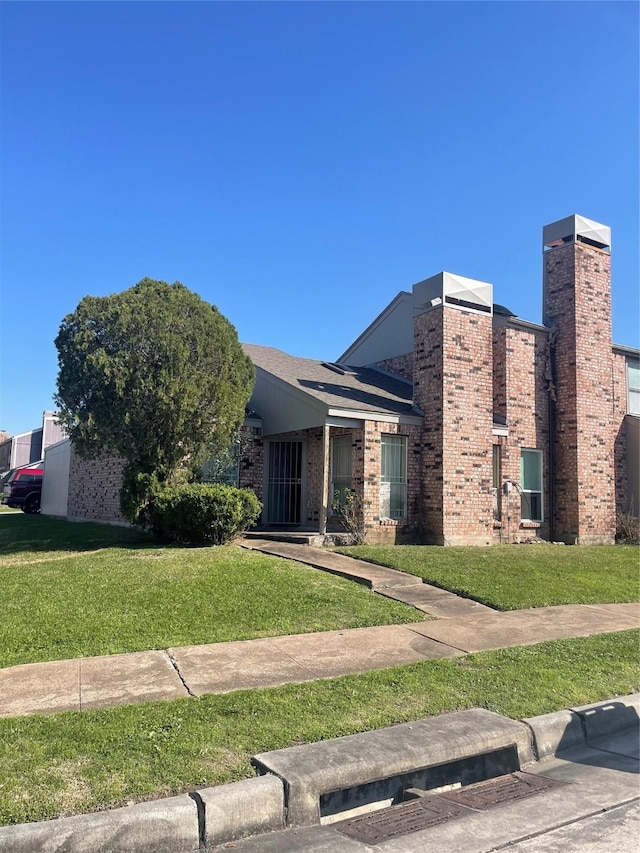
(574, 229)
(456, 291)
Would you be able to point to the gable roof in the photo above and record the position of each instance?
(390, 334)
(312, 392)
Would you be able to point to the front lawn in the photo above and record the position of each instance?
(76, 762)
(77, 590)
(514, 577)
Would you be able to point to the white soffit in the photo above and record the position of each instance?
(571, 227)
(456, 290)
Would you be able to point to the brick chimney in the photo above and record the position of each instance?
(453, 385)
(577, 308)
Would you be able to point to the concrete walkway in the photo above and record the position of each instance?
(460, 627)
(391, 583)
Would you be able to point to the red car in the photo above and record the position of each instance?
(24, 488)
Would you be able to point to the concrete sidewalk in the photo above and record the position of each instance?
(74, 685)
(459, 627)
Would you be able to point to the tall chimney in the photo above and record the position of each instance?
(453, 385)
(577, 308)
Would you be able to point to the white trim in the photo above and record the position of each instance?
(383, 417)
(540, 492)
(405, 444)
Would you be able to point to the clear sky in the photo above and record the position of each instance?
(297, 164)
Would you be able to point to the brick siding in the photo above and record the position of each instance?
(578, 306)
(94, 489)
(521, 395)
(251, 468)
(453, 385)
(619, 374)
(401, 365)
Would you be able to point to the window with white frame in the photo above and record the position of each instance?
(340, 469)
(393, 477)
(531, 485)
(633, 387)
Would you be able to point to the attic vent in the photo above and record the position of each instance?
(342, 369)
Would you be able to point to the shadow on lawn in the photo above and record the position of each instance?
(20, 533)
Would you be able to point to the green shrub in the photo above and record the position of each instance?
(202, 512)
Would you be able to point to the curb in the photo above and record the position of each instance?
(370, 768)
(189, 823)
(196, 822)
(583, 725)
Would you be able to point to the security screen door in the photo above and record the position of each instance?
(284, 486)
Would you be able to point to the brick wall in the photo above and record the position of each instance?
(251, 468)
(94, 484)
(94, 489)
(453, 384)
(367, 472)
(315, 457)
(619, 374)
(578, 306)
(402, 365)
(521, 395)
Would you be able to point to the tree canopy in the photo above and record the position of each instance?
(153, 374)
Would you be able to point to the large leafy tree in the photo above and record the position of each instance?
(155, 375)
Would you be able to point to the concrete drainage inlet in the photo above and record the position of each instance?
(341, 805)
(426, 811)
(376, 827)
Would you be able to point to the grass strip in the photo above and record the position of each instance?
(133, 599)
(69, 763)
(509, 577)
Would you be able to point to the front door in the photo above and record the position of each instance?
(284, 483)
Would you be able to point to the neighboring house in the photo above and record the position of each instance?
(28, 447)
(451, 419)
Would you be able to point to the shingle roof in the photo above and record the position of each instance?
(353, 388)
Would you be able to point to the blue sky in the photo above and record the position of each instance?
(298, 164)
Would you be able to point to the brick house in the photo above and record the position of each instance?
(454, 421)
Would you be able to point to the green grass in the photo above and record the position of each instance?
(77, 590)
(510, 577)
(76, 762)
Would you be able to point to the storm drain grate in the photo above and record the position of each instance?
(502, 790)
(391, 822)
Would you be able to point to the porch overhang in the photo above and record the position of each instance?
(286, 408)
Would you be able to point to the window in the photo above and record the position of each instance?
(496, 483)
(224, 468)
(340, 468)
(393, 477)
(531, 485)
(633, 387)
